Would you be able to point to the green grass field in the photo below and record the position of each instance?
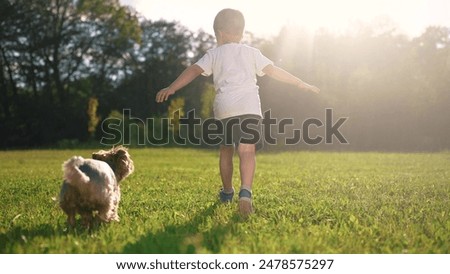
(305, 202)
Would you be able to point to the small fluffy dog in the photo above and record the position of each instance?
(91, 186)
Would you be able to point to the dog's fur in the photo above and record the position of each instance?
(91, 186)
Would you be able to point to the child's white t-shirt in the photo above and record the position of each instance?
(234, 67)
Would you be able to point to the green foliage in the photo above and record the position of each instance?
(92, 114)
(49, 50)
(175, 112)
(118, 20)
(392, 88)
(306, 202)
(55, 55)
(207, 100)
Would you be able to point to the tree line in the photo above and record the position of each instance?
(67, 66)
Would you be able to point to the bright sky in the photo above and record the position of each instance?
(266, 17)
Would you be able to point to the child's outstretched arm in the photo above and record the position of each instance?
(189, 74)
(280, 74)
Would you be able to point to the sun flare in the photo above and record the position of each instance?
(265, 18)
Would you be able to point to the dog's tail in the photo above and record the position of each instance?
(72, 172)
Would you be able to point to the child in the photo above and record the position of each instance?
(234, 67)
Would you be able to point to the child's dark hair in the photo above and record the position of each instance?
(230, 21)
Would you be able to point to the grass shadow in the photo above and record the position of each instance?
(19, 234)
(23, 236)
(187, 238)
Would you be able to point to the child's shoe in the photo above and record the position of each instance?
(245, 202)
(226, 197)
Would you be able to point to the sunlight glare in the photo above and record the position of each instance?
(265, 18)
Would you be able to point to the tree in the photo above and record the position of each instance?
(46, 48)
(167, 48)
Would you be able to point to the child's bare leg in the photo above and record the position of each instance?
(226, 167)
(247, 166)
